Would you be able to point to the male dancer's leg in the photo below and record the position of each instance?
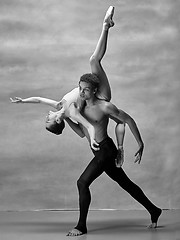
(118, 175)
(93, 170)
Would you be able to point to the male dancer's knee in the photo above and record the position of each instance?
(84, 192)
(81, 184)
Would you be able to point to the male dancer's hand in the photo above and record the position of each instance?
(94, 145)
(138, 154)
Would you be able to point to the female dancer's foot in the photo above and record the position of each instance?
(108, 22)
(154, 218)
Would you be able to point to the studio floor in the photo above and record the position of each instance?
(102, 225)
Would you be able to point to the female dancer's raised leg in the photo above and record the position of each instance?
(104, 90)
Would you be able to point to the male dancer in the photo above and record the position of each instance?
(98, 111)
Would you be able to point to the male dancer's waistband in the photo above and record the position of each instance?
(105, 140)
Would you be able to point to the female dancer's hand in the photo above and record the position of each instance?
(16, 100)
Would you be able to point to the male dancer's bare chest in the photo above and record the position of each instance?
(93, 114)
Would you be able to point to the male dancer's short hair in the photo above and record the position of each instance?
(90, 78)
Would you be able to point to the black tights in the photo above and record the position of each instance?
(104, 161)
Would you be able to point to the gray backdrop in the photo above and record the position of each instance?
(45, 46)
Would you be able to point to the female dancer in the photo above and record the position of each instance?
(71, 103)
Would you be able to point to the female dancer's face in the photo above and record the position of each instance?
(50, 122)
(51, 119)
(53, 124)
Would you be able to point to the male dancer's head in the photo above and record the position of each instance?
(88, 86)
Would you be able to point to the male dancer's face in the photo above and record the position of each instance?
(86, 91)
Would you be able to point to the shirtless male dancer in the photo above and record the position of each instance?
(98, 112)
(71, 103)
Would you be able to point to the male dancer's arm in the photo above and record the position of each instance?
(75, 127)
(76, 116)
(120, 116)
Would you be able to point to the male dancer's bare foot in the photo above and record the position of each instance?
(152, 225)
(108, 22)
(75, 232)
(154, 218)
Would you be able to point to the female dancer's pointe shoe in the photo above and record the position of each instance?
(108, 17)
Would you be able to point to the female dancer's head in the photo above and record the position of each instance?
(53, 124)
